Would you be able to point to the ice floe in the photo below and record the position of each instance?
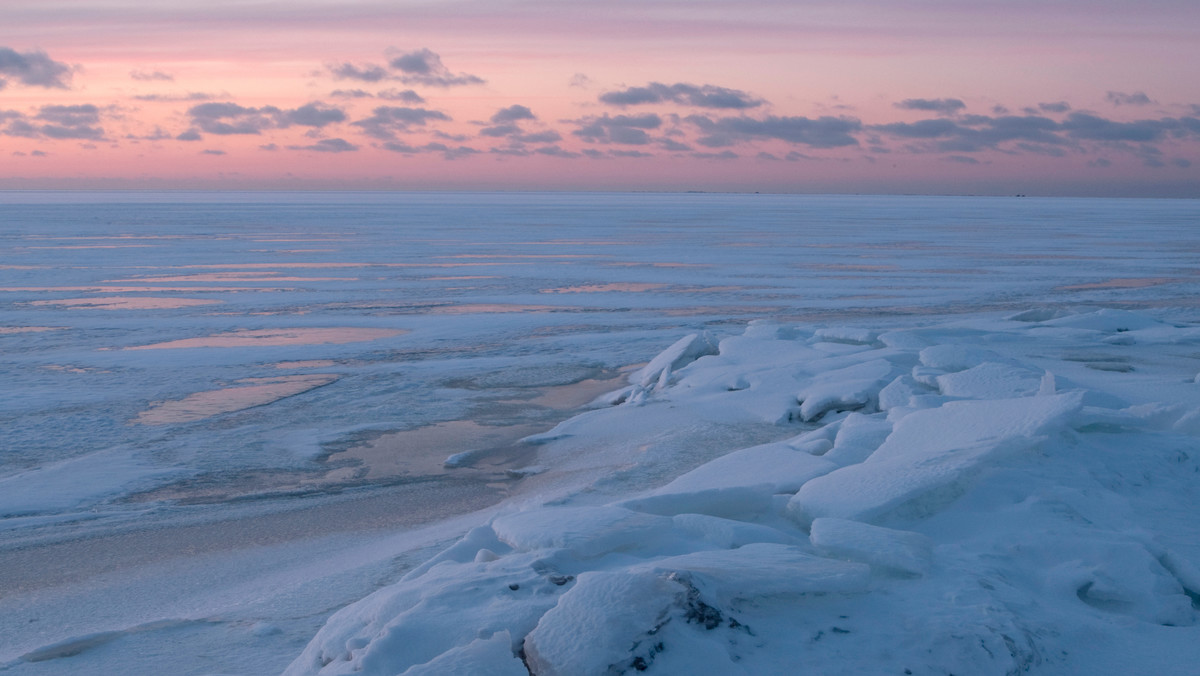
(962, 499)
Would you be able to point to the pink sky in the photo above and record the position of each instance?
(1096, 97)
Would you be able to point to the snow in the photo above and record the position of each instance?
(994, 500)
(955, 455)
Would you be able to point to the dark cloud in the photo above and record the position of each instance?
(212, 152)
(1055, 107)
(939, 106)
(55, 122)
(230, 118)
(673, 145)
(593, 153)
(1000, 110)
(822, 132)
(1178, 161)
(174, 98)
(34, 69)
(513, 113)
(424, 67)
(366, 73)
(312, 115)
(1134, 99)
(974, 133)
(624, 129)
(405, 96)
(1100, 162)
(767, 156)
(548, 136)
(723, 155)
(329, 145)
(630, 153)
(961, 159)
(227, 118)
(448, 152)
(190, 135)
(386, 121)
(38, 153)
(151, 76)
(580, 80)
(699, 96)
(1093, 128)
(500, 131)
(269, 147)
(555, 151)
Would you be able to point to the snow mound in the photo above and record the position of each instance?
(1038, 512)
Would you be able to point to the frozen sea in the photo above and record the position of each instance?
(226, 415)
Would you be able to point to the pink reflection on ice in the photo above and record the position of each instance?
(1122, 283)
(139, 289)
(251, 392)
(10, 330)
(632, 287)
(261, 337)
(125, 303)
(305, 364)
(246, 276)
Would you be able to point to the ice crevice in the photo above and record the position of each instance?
(960, 498)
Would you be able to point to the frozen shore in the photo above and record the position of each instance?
(994, 495)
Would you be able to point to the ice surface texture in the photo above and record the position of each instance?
(973, 498)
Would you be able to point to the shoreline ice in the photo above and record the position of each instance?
(980, 496)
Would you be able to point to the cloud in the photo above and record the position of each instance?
(174, 98)
(673, 145)
(312, 115)
(1134, 99)
(34, 69)
(405, 96)
(212, 152)
(548, 136)
(580, 80)
(329, 145)
(555, 151)
(939, 106)
(500, 130)
(151, 76)
(961, 159)
(624, 129)
(190, 135)
(227, 118)
(723, 155)
(269, 147)
(366, 73)
(630, 153)
(1093, 128)
(513, 113)
(55, 122)
(1055, 107)
(821, 132)
(386, 121)
(682, 93)
(425, 67)
(974, 133)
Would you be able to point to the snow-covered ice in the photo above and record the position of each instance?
(880, 434)
(987, 524)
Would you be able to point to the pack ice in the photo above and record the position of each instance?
(988, 496)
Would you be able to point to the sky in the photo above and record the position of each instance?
(1038, 97)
